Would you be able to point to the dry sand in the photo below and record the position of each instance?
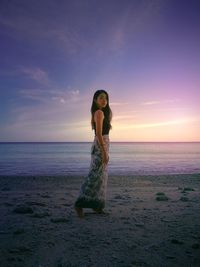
(150, 221)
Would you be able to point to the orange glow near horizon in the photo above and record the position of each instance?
(182, 130)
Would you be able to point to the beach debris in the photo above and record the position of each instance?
(139, 224)
(45, 196)
(10, 259)
(67, 204)
(3, 232)
(154, 246)
(185, 199)
(118, 197)
(124, 218)
(7, 204)
(19, 231)
(40, 215)
(35, 203)
(50, 243)
(59, 220)
(196, 246)
(166, 220)
(161, 196)
(138, 263)
(114, 256)
(176, 241)
(187, 189)
(23, 209)
(20, 249)
(6, 188)
(170, 257)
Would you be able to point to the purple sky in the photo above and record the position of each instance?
(55, 54)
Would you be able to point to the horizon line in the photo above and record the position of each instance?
(2, 142)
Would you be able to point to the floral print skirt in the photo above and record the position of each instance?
(92, 192)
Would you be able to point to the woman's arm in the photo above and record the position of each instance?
(98, 117)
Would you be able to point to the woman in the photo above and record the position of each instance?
(93, 191)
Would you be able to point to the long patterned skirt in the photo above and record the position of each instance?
(92, 192)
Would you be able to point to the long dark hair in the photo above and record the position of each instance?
(106, 110)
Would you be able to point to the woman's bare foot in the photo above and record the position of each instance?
(79, 212)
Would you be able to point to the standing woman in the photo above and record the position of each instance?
(93, 191)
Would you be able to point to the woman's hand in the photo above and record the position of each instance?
(105, 157)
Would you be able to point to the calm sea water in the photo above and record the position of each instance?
(68, 158)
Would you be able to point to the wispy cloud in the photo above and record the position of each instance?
(150, 103)
(67, 96)
(158, 124)
(154, 102)
(122, 117)
(118, 103)
(36, 94)
(36, 74)
(63, 96)
(46, 92)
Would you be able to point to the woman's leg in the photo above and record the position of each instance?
(92, 191)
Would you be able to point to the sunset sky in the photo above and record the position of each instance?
(55, 54)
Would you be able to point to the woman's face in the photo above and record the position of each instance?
(102, 100)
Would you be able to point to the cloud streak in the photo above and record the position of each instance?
(158, 124)
(155, 102)
(119, 103)
(47, 96)
(36, 74)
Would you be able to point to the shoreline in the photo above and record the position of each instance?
(109, 175)
(151, 220)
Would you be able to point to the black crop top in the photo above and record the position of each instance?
(105, 128)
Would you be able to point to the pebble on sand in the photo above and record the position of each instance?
(187, 189)
(23, 209)
(40, 215)
(58, 220)
(176, 241)
(196, 246)
(185, 199)
(20, 249)
(19, 231)
(161, 196)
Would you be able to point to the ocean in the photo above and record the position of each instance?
(73, 158)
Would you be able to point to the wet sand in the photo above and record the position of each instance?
(149, 221)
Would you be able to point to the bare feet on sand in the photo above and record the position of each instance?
(99, 211)
(79, 212)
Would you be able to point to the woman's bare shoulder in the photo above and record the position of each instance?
(98, 114)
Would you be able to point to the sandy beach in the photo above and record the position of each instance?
(149, 221)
